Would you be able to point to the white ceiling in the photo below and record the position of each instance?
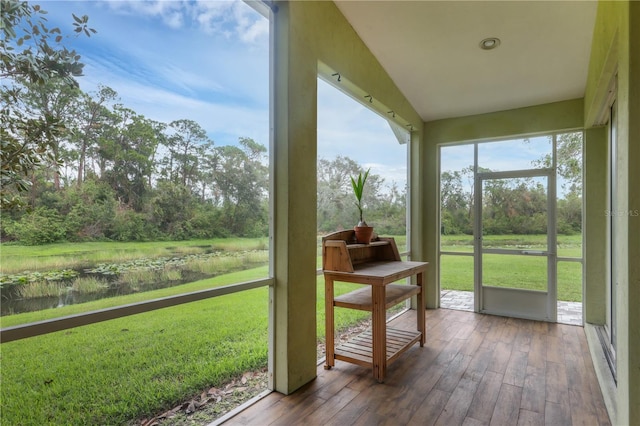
(431, 51)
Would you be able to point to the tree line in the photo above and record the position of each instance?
(516, 206)
(80, 166)
(116, 174)
(385, 206)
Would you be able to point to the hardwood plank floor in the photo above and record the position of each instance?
(474, 370)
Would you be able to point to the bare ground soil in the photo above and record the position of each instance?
(214, 403)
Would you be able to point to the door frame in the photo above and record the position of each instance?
(511, 302)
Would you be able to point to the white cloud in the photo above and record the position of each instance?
(171, 12)
(174, 20)
(248, 27)
(233, 20)
(224, 123)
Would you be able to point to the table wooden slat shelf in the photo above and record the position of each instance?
(361, 299)
(359, 349)
(378, 266)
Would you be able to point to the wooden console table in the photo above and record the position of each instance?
(377, 265)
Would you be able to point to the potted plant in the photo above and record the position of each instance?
(363, 231)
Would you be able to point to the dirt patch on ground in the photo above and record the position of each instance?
(214, 403)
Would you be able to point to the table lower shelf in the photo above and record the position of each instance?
(359, 349)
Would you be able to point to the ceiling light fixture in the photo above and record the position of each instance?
(490, 43)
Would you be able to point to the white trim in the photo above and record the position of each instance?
(603, 372)
(342, 83)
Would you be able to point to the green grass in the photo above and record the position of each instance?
(40, 289)
(133, 367)
(17, 258)
(456, 273)
(86, 285)
(118, 371)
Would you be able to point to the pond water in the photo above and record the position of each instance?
(13, 304)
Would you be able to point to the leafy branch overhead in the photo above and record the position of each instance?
(30, 53)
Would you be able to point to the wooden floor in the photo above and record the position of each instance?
(474, 370)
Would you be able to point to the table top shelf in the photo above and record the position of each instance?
(340, 251)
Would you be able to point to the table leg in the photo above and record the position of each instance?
(329, 323)
(379, 332)
(420, 314)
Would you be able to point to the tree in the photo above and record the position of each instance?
(241, 178)
(185, 143)
(126, 146)
(456, 201)
(569, 161)
(335, 206)
(55, 99)
(89, 120)
(389, 212)
(30, 53)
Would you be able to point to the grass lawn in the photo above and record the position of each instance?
(121, 370)
(118, 371)
(456, 272)
(17, 258)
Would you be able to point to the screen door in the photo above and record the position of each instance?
(516, 265)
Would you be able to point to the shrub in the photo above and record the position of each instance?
(206, 223)
(42, 226)
(89, 210)
(128, 225)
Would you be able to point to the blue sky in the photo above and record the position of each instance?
(170, 60)
(208, 61)
(504, 155)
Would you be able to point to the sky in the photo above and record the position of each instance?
(208, 61)
(504, 155)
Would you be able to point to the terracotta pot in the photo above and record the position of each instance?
(363, 234)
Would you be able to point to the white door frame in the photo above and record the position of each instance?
(513, 302)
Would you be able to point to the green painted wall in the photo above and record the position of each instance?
(306, 33)
(521, 121)
(596, 179)
(616, 48)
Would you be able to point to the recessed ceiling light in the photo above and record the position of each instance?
(489, 43)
